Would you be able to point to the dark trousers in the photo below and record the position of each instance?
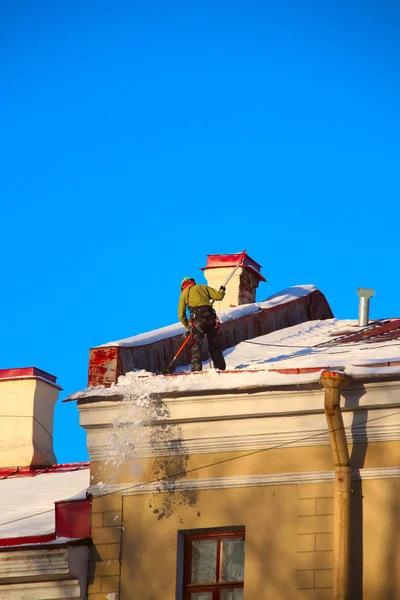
(203, 320)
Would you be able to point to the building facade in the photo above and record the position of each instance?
(276, 479)
(209, 478)
(233, 485)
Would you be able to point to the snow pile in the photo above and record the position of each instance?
(231, 314)
(149, 338)
(142, 382)
(310, 345)
(288, 295)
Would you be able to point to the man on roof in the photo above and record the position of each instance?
(197, 298)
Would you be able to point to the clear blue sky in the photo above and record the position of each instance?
(138, 137)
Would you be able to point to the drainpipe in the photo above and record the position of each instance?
(333, 383)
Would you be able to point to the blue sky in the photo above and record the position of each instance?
(136, 138)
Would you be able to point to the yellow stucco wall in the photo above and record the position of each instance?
(26, 422)
(16, 396)
(289, 528)
(149, 549)
(217, 277)
(375, 547)
(45, 398)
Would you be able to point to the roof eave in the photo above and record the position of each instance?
(248, 389)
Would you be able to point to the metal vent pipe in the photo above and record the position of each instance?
(363, 311)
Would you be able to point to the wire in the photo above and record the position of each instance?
(43, 427)
(309, 350)
(322, 345)
(329, 348)
(277, 345)
(28, 517)
(220, 462)
(332, 342)
(252, 453)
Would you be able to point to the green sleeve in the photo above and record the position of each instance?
(216, 294)
(182, 311)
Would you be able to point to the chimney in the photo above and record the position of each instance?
(241, 289)
(363, 311)
(27, 399)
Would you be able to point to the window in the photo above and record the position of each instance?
(214, 565)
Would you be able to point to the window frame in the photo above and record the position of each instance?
(214, 587)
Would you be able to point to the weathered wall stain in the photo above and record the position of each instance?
(170, 467)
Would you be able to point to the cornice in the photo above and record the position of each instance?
(41, 590)
(239, 403)
(290, 431)
(34, 562)
(145, 427)
(181, 485)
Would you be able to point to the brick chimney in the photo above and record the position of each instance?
(241, 289)
(27, 399)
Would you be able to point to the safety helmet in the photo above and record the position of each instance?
(187, 280)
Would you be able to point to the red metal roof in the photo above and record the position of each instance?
(72, 520)
(71, 517)
(377, 331)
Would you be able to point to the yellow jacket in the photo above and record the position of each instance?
(196, 295)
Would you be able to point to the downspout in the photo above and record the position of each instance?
(334, 382)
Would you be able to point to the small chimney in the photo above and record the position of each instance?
(27, 399)
(363, 311)
(241, 289)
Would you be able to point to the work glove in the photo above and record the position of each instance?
(222, 288)
(186, 334)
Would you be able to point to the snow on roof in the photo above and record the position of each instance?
(296, 291)
(286, 357)
(27, 503)
(313, 344)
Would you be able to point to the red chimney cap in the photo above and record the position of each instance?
(28, 373)
(215, 261)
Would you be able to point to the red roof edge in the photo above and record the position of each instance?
(28, 539)
(387, 363)
(32, 471)
(298, 370)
